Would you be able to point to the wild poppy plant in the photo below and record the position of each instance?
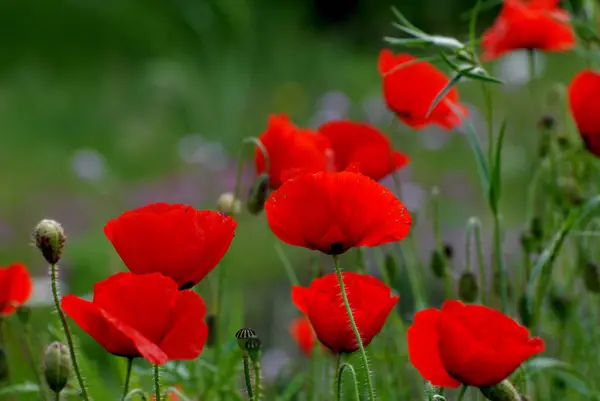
(290, 149)
(142, 315)
(585, 108)
(410, 87)
(370, 299)
(302, 333)
(528, 24)
(469, 344)
(333, 212)
(176, 240)
(15, 288)
(364, 146)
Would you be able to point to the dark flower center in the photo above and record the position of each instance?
(187, 285)
(336, 248)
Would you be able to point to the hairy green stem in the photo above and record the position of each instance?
(247, 378)
(156, 382)
(127, 377)
(337, 379)
(65, 325)
(256, 366)
(339, 374)
(361, 348)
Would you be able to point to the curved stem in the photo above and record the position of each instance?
(340, 372)
(156, 383)
(256, 366)
(247, 374)
(65, 325)
(499, 263)
(363, 353)
(127, 377)
(474, 230)
(137, 391)
(337, 382)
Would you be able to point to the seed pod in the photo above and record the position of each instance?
(243, 335)
(438, 263)
(49, 237)
(591, 276)
(504, 391)
(390, 267)
(57, 366)
(448, 251)
(468, 288)
(258, 194)
(228, 204)
(3, 365)
(253, 346)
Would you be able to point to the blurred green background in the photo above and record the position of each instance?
(109, 105)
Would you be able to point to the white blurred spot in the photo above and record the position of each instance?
(513, 69)
(89, 164)
(376, 111)
(194, 149)
(41, 294)
(434, 138)
(335, 101)
(273, 362)
(413, 196)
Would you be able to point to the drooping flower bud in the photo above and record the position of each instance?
(468, 288)
(504, 391)
(438, 263)
(591, 277)
(258, 194)
(57, 366)
(3, 365)
(228, 204)
(243, 335)
(50, 238)
(390, 267)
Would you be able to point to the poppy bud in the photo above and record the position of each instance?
(591, 276)
(3, 365)
(390, 267)
(228, 204)
(570, 190)
(243, 335)
(57, 366)
(438, 263)
(211, 324)
(448, 251)
(524, 314)
(258, 194)
(50, 237)
(561, 306)
(23, 313)
(504, 391)
(468, 289)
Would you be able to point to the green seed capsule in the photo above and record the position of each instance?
(258, 194)
(504, 391)
(243, 335)
(57, 366)
(468, 288)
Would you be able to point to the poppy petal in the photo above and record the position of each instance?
(423, 350)
(185, 340)
(16, 286)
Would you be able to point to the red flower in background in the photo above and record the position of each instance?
(142, 315)
(585, 108)
(363, 146)
(290, 149)
(333, 212)
(470, 344)
(533, 24)
(370, 299)
(176, 240)
(15, 288)
(303, 335)
(411, 85)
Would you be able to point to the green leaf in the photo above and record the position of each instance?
(22, 388)
(438, 98)
(473, 26)
(541, 272)
(293, 388)
(403, 19)
(406, 42)
(482, 164)
(495, 181)
(568, 373)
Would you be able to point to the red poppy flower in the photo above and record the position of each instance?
(175, 240)
(290, 148)
(469, 344)
(528, 24)
(585, 108)
(172, 395)
(142, 315)
(364, 146)
(302, 333)
(370, 299)
(411, 85)
(15, 288)
(333, 212)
